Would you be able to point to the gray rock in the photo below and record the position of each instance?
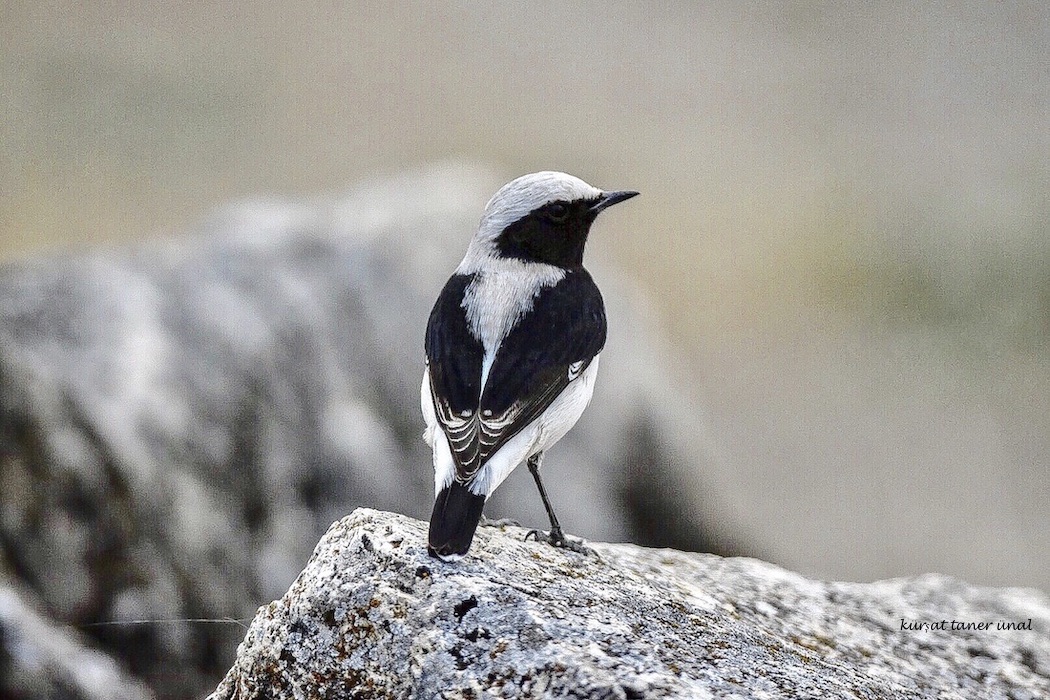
(373, 616)
(181, 420)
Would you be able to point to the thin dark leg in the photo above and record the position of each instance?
(534, 468)
(556, 537)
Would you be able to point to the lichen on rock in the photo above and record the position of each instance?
(372, 616)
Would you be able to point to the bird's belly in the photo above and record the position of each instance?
(563, 413)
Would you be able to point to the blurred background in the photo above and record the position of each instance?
(843, 232)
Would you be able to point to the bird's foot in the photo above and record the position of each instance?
(500, 522)
(557, 538)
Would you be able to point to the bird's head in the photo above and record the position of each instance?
(540, 218)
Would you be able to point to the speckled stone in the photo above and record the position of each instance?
(373, 616)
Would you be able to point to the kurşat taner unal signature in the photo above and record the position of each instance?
(956, 625)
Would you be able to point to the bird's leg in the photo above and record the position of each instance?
(556, 537)
(534, 468)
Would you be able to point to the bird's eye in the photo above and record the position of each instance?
(558, 212)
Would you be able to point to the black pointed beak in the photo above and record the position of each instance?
(610, 198)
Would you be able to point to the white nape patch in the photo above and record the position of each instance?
(540, 434)
(515, 200)
(499, 296)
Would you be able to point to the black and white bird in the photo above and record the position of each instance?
(512, 349)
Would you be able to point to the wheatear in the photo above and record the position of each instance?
(512, 349)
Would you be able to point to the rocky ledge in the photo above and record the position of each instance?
(373, 616)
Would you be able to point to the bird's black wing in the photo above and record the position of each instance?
(454, 355)
(547, 349)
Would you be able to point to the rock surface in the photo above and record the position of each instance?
(181, 420)
(373, 616)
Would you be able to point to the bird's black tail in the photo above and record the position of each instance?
(457, 512)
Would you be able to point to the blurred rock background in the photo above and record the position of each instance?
(843, 236)
(181, 421)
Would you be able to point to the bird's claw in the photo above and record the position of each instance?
(557, 538)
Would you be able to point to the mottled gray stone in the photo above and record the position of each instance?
(373, 616)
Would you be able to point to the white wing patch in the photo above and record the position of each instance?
(575, 368)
